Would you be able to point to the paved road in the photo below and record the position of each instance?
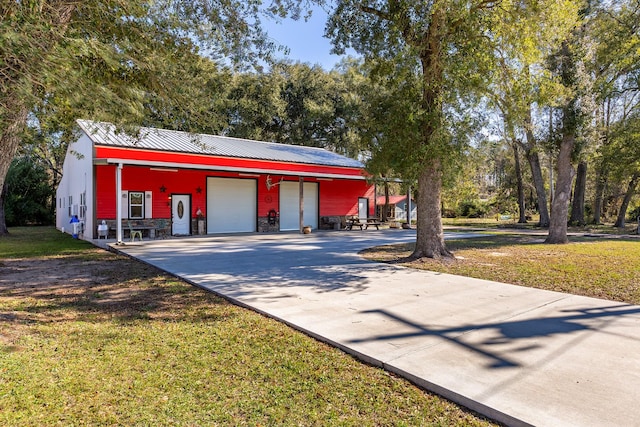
(518, 355)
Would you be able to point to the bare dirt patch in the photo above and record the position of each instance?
(95, 286)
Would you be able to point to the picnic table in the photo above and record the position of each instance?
(355, 221)
(373, 222)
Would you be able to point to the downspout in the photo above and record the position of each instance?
(119, 204)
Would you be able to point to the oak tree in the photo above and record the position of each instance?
(104, 59)
(438, 40)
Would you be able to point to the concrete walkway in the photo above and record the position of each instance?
(518, 355)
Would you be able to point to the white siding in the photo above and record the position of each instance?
(77, 178)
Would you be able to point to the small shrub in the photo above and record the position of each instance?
(472, 209)
(29, 194)
(633, 214)
(449, 213)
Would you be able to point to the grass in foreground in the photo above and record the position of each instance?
(89, 337)
(29, 242)
(607, 268)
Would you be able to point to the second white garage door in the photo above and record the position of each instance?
(231, 205)
(290, 205)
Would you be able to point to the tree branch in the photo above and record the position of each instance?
(376, 12)
(397, 16)
(483, 4)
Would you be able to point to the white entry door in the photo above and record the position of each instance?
(363, 208)
(181, 214)
(290, 205)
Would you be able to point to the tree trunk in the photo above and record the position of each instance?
(601, 183)
(631, 190)
(521, 205)
(23, 73)
(508, 124)
(577, 207)
(536, 170)
(15, 119)
(430, 235)
(538, 183)
(560, 204)
(3, 220)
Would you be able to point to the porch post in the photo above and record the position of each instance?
(119, 204)
(375, 203)
(301, 198)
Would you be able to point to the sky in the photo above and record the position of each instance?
(304, 39)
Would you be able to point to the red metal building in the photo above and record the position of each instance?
(182, 183)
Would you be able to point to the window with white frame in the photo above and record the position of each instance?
(70, 204)
(136, 204)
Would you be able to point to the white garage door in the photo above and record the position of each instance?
(290, 205)
(231, 205)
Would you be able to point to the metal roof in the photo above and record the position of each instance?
(184, 142)
(393, 200)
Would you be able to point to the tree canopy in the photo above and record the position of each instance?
(108, 59)
(434, 52)
(562, 77)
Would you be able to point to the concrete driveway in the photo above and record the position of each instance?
(518, 355)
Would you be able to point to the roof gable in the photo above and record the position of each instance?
(184, 142)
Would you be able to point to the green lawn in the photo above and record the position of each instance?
(88, 337)
(599, 267)
(493, 223)
(30, 242)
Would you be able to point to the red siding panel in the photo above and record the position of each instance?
(340, 196)
(102, 152)
(105, 192)
(268, 198)
(337, 197)
(161, 183)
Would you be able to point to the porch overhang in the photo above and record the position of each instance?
(262, 171)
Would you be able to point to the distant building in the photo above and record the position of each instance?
(397, 207)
